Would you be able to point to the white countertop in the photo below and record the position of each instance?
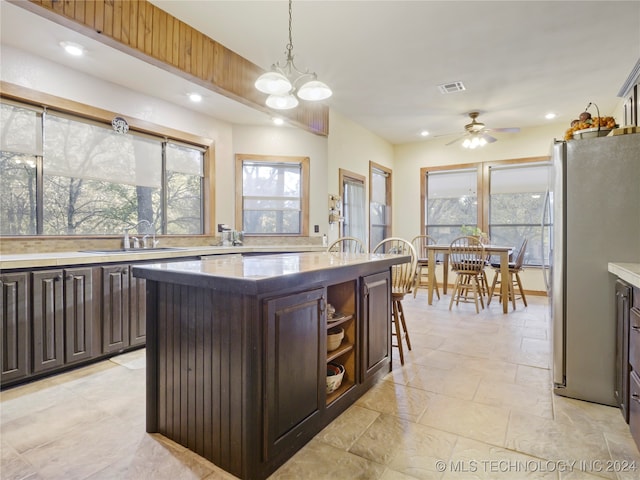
(56, 259)
(629, 272)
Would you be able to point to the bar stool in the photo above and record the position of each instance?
(402, 278)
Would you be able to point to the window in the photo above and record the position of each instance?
(452, 201)
(353, 205)
(272, 195)
(504, 199)
(517, 194)
(82, 178)
(379, 203)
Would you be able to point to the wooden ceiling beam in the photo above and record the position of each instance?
(140, 29)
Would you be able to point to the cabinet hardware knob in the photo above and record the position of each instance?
(636, 397)
(323, 304)
(635, 327)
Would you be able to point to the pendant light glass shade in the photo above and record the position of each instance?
(273, 83)
(283, 80)
(282, 102)
(314, 90)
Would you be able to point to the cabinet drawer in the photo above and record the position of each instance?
(634, 406)
(634, 339)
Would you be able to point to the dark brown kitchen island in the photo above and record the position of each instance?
(237, 350)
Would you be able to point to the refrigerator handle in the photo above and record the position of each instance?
(545, 265)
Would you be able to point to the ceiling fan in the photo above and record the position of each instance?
(476, 133)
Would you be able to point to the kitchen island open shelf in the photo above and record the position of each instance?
(237, 350)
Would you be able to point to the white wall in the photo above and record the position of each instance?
(284, 141)
(352, 147)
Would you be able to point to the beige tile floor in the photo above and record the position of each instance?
(472, 401)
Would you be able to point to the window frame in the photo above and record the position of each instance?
(389, 199)
(483, 183)
(32, 99)
(303, 162)
(343, 177)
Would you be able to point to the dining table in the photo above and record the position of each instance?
(500, 250)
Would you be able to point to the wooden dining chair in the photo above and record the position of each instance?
(420, 243)
(347, 245)
(514, 278)
(402, 278)
(467, 260)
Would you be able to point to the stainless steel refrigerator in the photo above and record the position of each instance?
(594, 213)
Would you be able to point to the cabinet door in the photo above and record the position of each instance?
(78, 307)
(48, 320)
(138, 310)
(14, 325)
(376, 322)
(115, 308)
(623, 292)
(294, 358)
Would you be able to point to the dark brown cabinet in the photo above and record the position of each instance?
(243, 360)
(115, 308)
(124, 313)
(137, 310)
(62, 317)
(79, 314)
(48, 320)
(627, 389)
(294, 371)
(14, 325)
(376, 308)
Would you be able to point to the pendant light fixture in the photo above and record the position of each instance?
(286, 83)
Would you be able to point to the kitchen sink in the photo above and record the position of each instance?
(134, 250)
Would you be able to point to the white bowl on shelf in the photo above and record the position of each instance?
(334, 338)
(335, 373)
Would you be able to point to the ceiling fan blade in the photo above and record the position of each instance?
(446, 134)
(505, 130)
(454, 141)
(488, 137)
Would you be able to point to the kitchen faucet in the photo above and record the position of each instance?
(127, 241)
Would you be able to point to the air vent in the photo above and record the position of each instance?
(451, 87)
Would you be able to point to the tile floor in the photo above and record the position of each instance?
(472, 401)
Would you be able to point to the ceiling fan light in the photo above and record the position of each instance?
(282, 102)
(314, 91)
(482, 142)
(466, 143)
(273, 83)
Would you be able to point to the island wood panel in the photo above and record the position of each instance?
(168, 43)
(199, 387)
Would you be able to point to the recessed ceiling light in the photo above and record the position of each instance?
(550, 116)
(73, 48)
(424, 133)
(195, 97)
(278, 121)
